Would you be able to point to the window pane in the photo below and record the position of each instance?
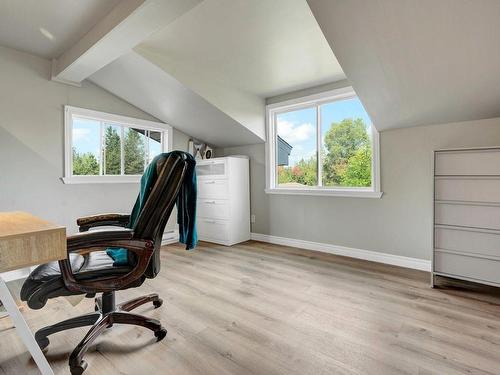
(134, 146)
(112, 149)
(86, 150)
(296, 148)
(154, 140)
(346, 144)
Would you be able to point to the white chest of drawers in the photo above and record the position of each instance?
(223, 210)
(467, 215)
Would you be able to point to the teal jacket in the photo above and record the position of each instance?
(186, 206)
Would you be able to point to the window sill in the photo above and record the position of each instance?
(101, 179)
(351, 193)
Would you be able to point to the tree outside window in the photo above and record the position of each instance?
(345, 152)
(93, 157)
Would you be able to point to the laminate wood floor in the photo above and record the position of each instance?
(257, 308)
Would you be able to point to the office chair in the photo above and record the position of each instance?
(89, 270)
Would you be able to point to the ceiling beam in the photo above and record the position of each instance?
(129, 23)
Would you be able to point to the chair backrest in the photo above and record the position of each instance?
(150, 225)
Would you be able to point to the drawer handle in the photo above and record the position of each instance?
(211, 221)
(210, 182)
(210, 202)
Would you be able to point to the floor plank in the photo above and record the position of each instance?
(258, 308)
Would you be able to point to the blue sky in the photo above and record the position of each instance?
(298, 128)
(86, 135)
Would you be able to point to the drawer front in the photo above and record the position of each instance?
(472, 162)
(213, 189)
(468, 189)
(211, 169)
(213, 208)
(474, 268)
(468, 241)
(487, 217)
(215, 230)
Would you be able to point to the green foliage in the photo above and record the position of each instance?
(85, 163)
(358, 171)
(342, 141)
(113, 151)
(134, 152)
(346, 159)
(303, 173)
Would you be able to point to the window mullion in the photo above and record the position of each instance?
(122, 150)
(275, 150)
(318, 146)
(146, 156)
(102, 151)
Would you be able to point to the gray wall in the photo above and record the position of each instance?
(32, 145)
(399, 223)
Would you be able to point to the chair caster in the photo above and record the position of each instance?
(158, 303)
(160, 335)
(43, 343)
(79, 369)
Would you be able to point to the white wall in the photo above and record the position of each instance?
(399, 223)
(31, 143)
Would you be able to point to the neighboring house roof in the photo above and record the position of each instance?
(284, 149)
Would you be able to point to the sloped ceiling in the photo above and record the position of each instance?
(143, 84)
(205, 67)
(265, 48)
(417, 62)
(236, 53)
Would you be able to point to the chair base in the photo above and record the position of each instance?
(106, 314)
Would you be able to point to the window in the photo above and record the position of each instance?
(101, 147)
(322, 145)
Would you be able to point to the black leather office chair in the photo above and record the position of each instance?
(89, 270)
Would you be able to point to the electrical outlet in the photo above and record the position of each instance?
(252, 218)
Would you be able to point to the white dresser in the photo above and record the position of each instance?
(223, 211)
(467, 215)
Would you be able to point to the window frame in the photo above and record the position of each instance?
(118, 120)
(316, 100)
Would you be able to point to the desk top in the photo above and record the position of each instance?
(26, 240)
(15, 223)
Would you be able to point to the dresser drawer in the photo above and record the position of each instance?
(467, 241)
(208, 188)
(213, 230)
(470, 189)
(213, 208)
(468, 162)
(466, 215)
(474, 268)
(211, 169)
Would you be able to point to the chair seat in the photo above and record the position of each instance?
(46, 280)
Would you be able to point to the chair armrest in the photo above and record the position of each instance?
(97, 240)
(85, 223)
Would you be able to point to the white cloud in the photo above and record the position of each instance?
(295, 133)
(80, 134)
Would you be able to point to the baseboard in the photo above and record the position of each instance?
(374, 256)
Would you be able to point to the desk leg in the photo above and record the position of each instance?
(23, 330)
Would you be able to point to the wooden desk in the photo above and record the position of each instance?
(25, 241)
